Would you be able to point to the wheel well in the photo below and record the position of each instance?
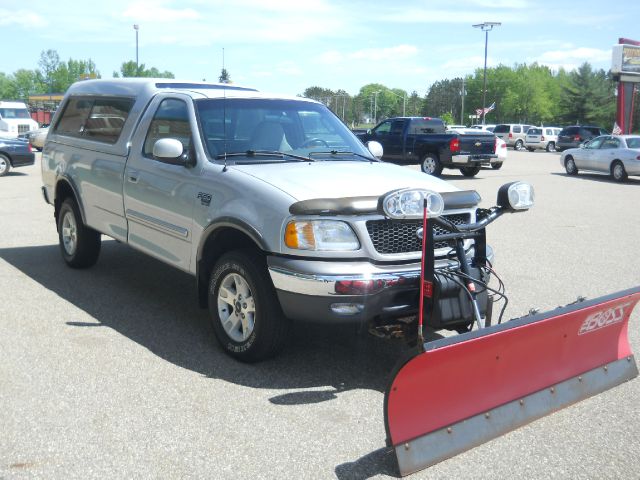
(218, 243)
(8, 157)
(63, 191)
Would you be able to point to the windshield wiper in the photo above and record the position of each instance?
(335, 153)
(264, 153)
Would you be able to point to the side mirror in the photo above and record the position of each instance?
(171, 151)
(516, 196)
(376, 149)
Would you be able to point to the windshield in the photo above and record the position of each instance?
(8, 113)
(296, 128)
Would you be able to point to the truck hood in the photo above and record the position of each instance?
(337, 179)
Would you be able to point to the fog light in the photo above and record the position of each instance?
(347, 308)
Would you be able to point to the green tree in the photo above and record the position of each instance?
(588, 97)
(224, 76)
(8, 88)
(49, 63)
(130, 69)
(27, 82)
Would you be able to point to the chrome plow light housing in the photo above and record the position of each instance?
(516, 196)
(409, 203)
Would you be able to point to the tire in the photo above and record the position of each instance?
(5, 165)
(79, 244)
(531, 149)
(618, 173)
(496, 166)
(519, 145)
(559, 150)
(570, 166)
(551, 147)
(240, 284)
(469, 171)
(431, 165)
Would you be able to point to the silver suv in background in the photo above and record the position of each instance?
(513, 134)
(542, 138)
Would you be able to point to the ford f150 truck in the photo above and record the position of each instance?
(424, 141)
(275, 207)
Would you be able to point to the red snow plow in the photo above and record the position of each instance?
(485, 382)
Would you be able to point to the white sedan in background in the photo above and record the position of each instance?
(617, 155)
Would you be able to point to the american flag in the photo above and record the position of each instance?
(616, 129)
(484, 111)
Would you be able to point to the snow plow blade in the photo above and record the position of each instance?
(465, 390)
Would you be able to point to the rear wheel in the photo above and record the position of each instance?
(79, 244)
(496, 166)
(431, 165)
(531, 149)
(519, 145)
(570, 166)
(551, 147)
(5, 165)
(618, 173)
(244, 309)
(470, 171)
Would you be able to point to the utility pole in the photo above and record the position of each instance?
(136, 27)
(462, 93)
(485, 27)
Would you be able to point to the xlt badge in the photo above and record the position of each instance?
(205, 198)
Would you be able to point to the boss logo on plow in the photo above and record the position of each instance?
(603, 318)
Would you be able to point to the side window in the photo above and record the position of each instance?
(74, 116)
(595, 143)
(170, 121)
(611, 143)
(384, 128)
(397, 127)
(106, 119)
(517, 129)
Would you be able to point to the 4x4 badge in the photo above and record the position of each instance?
(205, 198)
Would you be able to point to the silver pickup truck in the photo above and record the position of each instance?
(279, 211)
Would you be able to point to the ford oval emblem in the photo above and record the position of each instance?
(478, 144)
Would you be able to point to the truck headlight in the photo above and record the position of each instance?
(410, 202)
(516, 196)
(326, 235)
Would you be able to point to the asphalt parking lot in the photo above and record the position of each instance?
(114, 372)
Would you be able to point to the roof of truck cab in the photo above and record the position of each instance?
(148, 87)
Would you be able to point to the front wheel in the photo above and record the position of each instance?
(618, 173)
(244, 309)
(5, 165)
(470, 171)
(496, 166)
(431, 165)
(570, 166)
(551, 147)
(519, 145)
(79, 244)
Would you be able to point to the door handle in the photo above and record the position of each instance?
(133, 175)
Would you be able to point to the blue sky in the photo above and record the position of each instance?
(288, 45)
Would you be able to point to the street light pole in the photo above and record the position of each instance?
(485, 27)
(136, 27)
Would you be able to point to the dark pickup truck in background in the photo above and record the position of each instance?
(424, 141)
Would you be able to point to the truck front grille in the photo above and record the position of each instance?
(399, 236)
(23, 129)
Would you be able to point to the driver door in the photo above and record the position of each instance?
(159, 197)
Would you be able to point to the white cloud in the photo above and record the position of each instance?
(23, 18)
(581, 54)
(153, 11)
(389, 54)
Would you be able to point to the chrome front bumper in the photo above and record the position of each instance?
(320, 290)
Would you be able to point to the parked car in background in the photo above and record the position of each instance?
(36, 137)
(425, 141)
(512, 133)
(576, 135)
(501, 146)
(14, 153)
(617, 155)
(487, 127)
(15, 119)
(542, 138)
